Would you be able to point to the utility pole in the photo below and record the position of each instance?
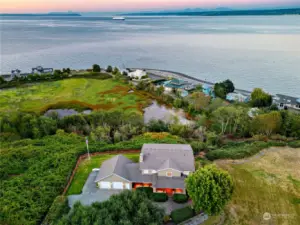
(87, 147)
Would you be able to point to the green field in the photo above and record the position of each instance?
(269, 184)
(86, 166)
(85, 92)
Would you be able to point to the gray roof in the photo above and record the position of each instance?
(169, 182)
(115, 165)
(163, 156)
(135, 174)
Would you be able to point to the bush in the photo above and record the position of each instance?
(260, 137)
(239, 151)
(180, 215)
(159, 197)
(278, 137)
(147, 190)
(294, 144)
(198, 146)
(180, 198)
(166, 218)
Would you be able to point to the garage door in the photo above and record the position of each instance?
(105, 185)
(117, 185)
(127, 186)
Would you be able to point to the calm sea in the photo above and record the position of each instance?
(262, 51)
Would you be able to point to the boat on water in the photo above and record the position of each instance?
(118, 18)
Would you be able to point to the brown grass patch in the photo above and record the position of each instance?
(123, 90)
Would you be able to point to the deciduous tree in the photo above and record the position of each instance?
(96, 68)
(259, 98)
(210, 189)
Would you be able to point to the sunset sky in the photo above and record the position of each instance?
(25, 6)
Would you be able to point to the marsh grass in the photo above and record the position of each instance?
(75, 93)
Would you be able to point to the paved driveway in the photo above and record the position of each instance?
(91, 193)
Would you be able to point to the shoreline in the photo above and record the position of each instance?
(178, 75)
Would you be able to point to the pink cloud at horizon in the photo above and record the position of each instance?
(19, 6)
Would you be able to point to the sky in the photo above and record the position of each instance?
(42, 6)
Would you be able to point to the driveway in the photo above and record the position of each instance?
(91, 193)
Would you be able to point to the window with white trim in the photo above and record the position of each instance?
(146, 171)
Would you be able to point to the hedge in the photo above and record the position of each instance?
(294, 144)
(180, 215)
(159, 197)
(246, 149)
(58, 208)
(147, 190)
(180, 198)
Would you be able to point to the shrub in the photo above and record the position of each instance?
(278, 137)
(166, 218)
(180, 215)
(180, 198)
(260, 137)
(58, 208)
(238, 152)
(147, 190)
(198, 146)
(277, 143)
(159, 197)
(294, 144)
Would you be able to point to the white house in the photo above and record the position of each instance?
(138, 74)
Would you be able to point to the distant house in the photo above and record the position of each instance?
(138, 74)
(40, 70)
(286, 102)
(174, 84)
(163, 167)
(237, 97)
(207, 90)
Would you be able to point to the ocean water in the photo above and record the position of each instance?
(252, 51)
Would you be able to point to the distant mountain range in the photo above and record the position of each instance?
(218, 12)
(42, 14)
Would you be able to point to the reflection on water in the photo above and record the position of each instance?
(61, 113)
(161, 112)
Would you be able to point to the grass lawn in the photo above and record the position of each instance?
(270, 183)
(91, 93)
(86, 166)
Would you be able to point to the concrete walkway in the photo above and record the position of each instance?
(201, 218)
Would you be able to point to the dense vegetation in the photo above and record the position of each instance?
(34, 172)
(129, 207)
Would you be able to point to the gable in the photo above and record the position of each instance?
(114, 178)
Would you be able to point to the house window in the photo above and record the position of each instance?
(169, 174)
(281, 104)
(146, 171)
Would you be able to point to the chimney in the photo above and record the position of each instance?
(141, 157)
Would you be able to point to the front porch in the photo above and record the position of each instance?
(169, 191)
